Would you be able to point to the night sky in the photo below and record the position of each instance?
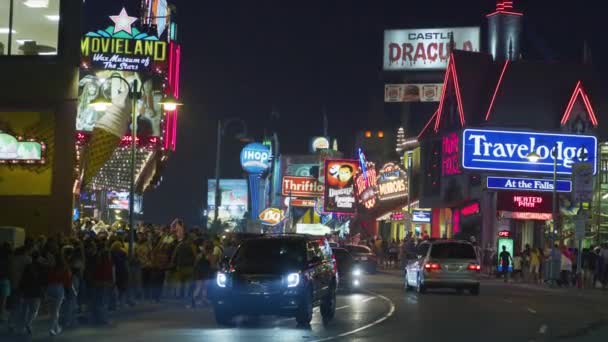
(242, 58)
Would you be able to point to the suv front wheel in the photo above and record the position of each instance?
(304, 313)
(223, 316)
(328, 305)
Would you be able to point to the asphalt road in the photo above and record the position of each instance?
(384, 312)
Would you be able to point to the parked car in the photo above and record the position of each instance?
(285, 275)
(364, 255)
(444, 264)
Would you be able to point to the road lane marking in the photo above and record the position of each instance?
(367, 326)
(368, 299)
(530, 310)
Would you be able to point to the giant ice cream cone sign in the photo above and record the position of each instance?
(107, 133)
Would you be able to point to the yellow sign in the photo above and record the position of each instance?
(155, 49)
(272, 216)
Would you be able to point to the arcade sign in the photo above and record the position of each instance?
(272, 216)
(508, 151)
(528, 184)
(123, 47)
(301, 187)
(255, 158)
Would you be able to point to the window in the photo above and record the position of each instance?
(453, 251)
(422, 249)
(33, 30)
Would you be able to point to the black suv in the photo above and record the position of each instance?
(285, 275)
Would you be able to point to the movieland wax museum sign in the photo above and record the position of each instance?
(123, 47)
(508, 151)
(421, 49)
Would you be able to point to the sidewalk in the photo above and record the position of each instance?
(40, 328)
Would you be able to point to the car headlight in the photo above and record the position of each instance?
(357, 272)
(221, 279)
(293, 279)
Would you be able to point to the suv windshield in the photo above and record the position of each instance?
(453, 250)
(269, 255)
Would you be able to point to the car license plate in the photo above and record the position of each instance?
(363, 258)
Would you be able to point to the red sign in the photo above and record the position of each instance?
(526, 202)
(504, 234)
(470, 209)
(526, 216)
(301, 187)
(449, 160)
(296, 202)
(367, 185)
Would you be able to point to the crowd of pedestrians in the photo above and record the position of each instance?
(557, 266)
(84, 276)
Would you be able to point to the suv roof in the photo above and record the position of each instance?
(291, 236)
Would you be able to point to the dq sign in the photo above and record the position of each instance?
(508, 151)
(272, 216)
(255, 158)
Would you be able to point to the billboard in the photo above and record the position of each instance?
(430, 92)
(119, 200)
(100, 83)
(27, 146)
(339, 185)
(233, 199)
(123, 46)
(301, 187)
(426, 49)
(392, 182)
(508, 151)
(421, 216)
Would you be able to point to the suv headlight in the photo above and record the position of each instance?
(221, 279)
(293, 279)
(357, 272)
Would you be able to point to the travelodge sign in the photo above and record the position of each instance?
(508, 151)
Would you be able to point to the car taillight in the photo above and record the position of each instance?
(474, 267)
(432, 266)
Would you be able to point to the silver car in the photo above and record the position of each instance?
(443, 264)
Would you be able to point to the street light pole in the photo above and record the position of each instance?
(218, 150)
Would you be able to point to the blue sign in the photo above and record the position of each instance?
(529, 184)
(421, 216)
(508, 151)
(255, 158)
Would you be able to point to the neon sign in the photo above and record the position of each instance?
(508, 151)
(524, 202)
(392, 182)
(449, 160)
(504, 234)
(16, 150)
(123, 47)
(470, 209)
(366, 183)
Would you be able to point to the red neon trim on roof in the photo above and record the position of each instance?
(505, 12)
(589, 107)
(578, 89)
(445, 86)
(427, 124)
(502, 74)
(458, 97)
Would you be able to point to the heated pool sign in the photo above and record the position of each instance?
(508, 151)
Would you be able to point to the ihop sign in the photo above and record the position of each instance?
(255, 158)
(507, 151)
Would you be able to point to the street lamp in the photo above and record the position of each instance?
(535, 157)
(221, 131)
(101, 104)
